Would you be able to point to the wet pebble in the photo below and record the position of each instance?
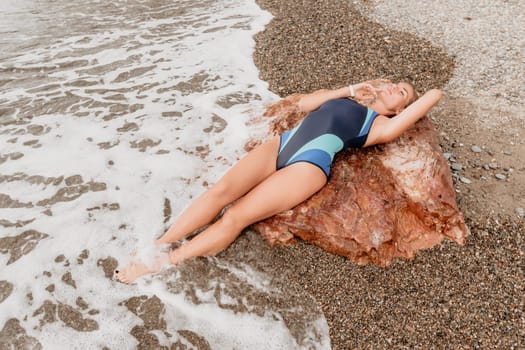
(6, 288)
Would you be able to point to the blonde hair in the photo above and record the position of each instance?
(369, 99)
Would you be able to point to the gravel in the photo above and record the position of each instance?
(487, 38)
(450, 297)
(325, 44)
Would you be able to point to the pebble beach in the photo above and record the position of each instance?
(115, 115)
(460, 297)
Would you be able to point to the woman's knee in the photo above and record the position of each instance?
(222, 192)
(232, 220)
(229, 227)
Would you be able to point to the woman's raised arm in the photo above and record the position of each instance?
(310, 102)
(395, 126)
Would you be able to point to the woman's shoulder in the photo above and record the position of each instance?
(375, 134)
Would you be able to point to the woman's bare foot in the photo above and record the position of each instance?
(135, 270)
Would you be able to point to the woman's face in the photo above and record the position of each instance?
(395, 97)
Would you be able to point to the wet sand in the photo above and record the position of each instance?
(452, 296)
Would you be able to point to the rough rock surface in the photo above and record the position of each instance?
(381, 203)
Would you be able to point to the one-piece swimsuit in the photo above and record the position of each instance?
(335, 125)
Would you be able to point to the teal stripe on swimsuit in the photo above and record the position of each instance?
(370, 116)
(329, 143)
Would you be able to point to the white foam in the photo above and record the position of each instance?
(223, 328)
(137, 180)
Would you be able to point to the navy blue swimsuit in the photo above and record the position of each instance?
(337, 124)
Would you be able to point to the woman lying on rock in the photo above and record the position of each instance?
(288, 169)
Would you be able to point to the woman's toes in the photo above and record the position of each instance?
(133, 271)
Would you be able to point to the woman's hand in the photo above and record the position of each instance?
(364, 91)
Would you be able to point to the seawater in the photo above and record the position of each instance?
(113, 117)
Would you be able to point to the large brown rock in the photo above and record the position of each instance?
(381, 202)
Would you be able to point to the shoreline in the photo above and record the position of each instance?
(459, 296)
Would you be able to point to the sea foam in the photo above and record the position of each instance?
(111, 113)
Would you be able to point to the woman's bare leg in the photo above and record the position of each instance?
(281, 191)
(256, 166)
(252, 169)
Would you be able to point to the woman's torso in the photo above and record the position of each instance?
(337, 124)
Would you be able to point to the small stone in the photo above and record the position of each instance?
(476, 149)
(447, 155)
(456, 166)
(507, 153)
(465, 180)
(493, 165)
(500, 176)
(520, 212)
(486, 167)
